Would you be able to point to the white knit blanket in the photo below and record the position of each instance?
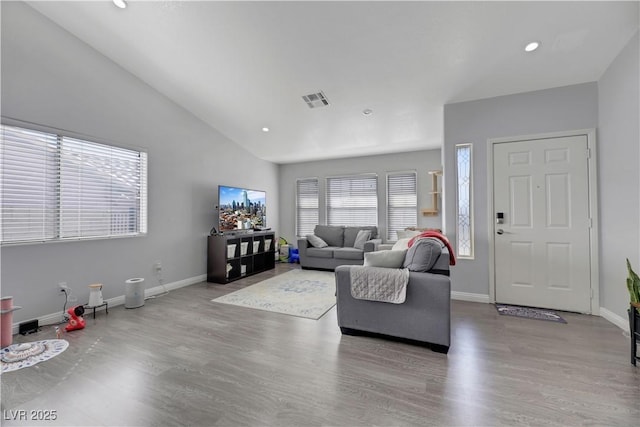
(379, 284)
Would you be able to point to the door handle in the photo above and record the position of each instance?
(500, 231)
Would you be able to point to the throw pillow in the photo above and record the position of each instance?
(361, 239)
(401, 244)
(404, 234)
(316, 242)
(423, 255)
(386, 259)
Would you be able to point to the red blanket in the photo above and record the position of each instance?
(442, 238)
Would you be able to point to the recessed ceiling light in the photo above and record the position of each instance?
(120, 3)
(367, 112)
(265, 129)
(530, 47)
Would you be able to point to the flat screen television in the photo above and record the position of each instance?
(241, 208)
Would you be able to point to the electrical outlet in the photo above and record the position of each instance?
(157, 266)
(63, 286)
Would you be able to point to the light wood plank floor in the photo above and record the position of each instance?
(183, 360)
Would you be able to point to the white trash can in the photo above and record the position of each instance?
(134, 293)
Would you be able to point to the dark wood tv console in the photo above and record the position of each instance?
(233, 256)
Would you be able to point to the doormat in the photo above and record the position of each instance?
(18, 356)
(529, 313)
(301, 293)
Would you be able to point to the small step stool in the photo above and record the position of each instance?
(104, 304)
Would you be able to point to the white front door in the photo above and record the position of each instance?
(541, 250)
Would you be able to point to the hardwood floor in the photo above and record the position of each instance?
(183, 360)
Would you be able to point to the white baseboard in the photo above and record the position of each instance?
(619, 321)
(467, 296)
(54, 318)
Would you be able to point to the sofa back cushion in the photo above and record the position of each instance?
(424, 253)
(333, 235)
(442, 264)
(350, 234)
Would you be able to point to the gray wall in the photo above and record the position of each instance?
(51, 78)
(559, 109)
(420, 161)
(619, 176)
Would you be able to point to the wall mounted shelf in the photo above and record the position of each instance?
(433, 211)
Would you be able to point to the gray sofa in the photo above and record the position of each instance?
(425, 316)
(340, 250)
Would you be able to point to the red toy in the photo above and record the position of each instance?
(76, 321)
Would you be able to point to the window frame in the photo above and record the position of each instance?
(368, 176)
(298, 208)
(54, 234)
(471, 254)
(389, 206)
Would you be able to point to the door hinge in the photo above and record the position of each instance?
(590, 222)
(588, 153)
(591, 293)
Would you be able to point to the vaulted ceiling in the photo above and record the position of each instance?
(242, 66)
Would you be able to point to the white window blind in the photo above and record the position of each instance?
(29, 182)
(100, 190)
(307, 213)
(352, 200)
(402, 202)
(55, 187)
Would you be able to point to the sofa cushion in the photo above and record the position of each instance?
(348, 253)
(321, 252)
(387, 259)
(403, 234)
(362, 237)
(401, 244)
(423, 254)
(333, 235)
(442, 264)
(316, 242)
(350, 234)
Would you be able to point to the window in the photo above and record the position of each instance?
(352, 200)
(464, 201)
(306, 206)
(402, 202)
(55, 188)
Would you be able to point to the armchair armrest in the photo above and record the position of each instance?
(372, 245)
(303, 244)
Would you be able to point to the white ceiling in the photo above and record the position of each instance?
(241, 66)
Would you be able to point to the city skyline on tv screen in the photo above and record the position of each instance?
(241, 205)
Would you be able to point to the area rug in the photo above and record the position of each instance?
(529, 313)
(302, 293)
(24, 355)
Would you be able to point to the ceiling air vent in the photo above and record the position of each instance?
(316, 100)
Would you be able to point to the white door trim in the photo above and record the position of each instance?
(593, 208)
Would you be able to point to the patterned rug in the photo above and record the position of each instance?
(24, 355)
(301, 293)
(529, 313)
